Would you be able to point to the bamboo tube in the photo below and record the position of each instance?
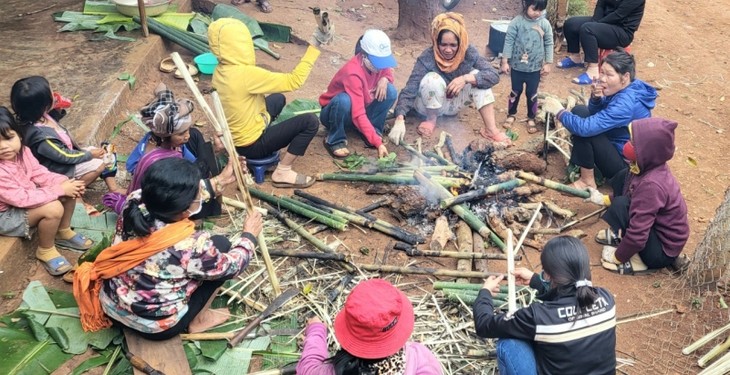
(450, 146)
(308, 255)
(553, 185)
(461, 211)
(714, 352)
(511, 292)
(720, 367)
(274, 201)
(411, 251)
(207, 336)
(705, 339)
(399, 179)
(375, 205)
(427, 168)
(481, 193)
(425, 271)
(416, 153)
(442, 160)
(441, 285)
(221, 126)
(332, 215)
(465, 245)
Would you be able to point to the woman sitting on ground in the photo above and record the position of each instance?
(613, 25)
(573, 331)
(600, 130)
(447, 77)
(373, 330)
(252, 99)
(161, 279)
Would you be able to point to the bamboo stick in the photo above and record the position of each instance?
(308, 255)
(375, 205)
(425, 271)
(714, 352)
(553, 185)
(412, 251)
(720, 367)
(440, 285)
(705, 339)
(143, 18)
(460, 210)
(442, 160)
(221, 126)
(576, 221)
(416, 153)
(274, 201)
(511, 293)
(400, 179)
(465, 245)
(562, 212)
(481, 193)
(528, 227)
(316, 209)
(450, 146)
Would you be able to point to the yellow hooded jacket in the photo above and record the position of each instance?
(242, 85)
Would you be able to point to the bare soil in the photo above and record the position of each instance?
(678, 50)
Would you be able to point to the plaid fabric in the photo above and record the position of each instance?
(166, 116)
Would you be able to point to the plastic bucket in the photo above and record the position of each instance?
(206, 63)
(497, 33)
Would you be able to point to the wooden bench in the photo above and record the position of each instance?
(166, 356)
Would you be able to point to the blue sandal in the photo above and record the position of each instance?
(583, 79)
(75, 243)
(57, 266)
(567, 63)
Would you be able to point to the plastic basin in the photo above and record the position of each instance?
(206, 62)
(152, 7)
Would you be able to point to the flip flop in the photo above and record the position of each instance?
(57, 266)
(75, 243)
(607, 237)
(167, 65)
(425, 128)
(264, 6)
(331, 150)
(627, 268)
(532, 127)
(69, 276)
(583, 79)
(507, 124)
(191, 68)
(568, 63)
(301, 182)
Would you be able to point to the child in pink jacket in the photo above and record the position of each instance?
(31, 196)
(373, 330)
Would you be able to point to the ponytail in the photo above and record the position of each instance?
(136, 220)
(345, 363)
(585, 293)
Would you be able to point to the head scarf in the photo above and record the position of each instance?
(453, 22)
(166, 116)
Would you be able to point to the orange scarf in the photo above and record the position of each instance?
(116, 260)
(453, 22)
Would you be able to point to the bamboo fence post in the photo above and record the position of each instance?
(553, 185)
(511, 292)
(221, 127)
(460, 210)
(481, 193)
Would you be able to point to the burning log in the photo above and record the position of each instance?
(441, 234)
(375, 205)
(461, 211)
(514, 214)
(481, 193)
(510, 158)
(412, 251)
(450, 146)
(400, 179)
(407, 201)
(553, 185)
(463, 238)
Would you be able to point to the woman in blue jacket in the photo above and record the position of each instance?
(600, 130)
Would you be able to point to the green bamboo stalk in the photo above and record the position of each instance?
(297, 209)
(426, 271)
(318, 210)
(481, 193)
(439, 285)
(428, 168)
(456, 254)
(553, 185)
(438, 158)
(416, 153)
(461, 292)
(400, 179)
(460, 210)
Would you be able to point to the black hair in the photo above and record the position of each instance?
(538, 4)
(622, 62)
(358, 47)
(565, 260)
(347, 364)
(441, 35)
(169, 187)
(31, 98)
(8, 123)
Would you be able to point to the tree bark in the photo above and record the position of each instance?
(414, 19)
(711, 260)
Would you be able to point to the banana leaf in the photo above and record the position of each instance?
(233, 361)
(298, 107)
(92, 363)
(22, 354)
(274, 32)
(228, 11)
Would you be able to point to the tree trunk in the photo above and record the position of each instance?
(414, 19)
(711, 260)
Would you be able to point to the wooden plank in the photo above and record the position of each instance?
(167, 356)
(466, 245)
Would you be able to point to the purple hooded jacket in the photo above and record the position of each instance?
(656, 200)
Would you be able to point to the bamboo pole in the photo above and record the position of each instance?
(425, 271)
(221, 126)
(375, 205)
(412, 251)
(399, 179)
(481, 193)
(527, 228)
(308, 255)
(416, 153)
(442, 160)
(460, 210)
(714, 352)
(316, 209)
(143, 18)
(705, 339)
(511, 292)
(553, 185)
(274, 201)
(720, 367)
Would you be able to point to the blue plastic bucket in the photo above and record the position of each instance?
(206, 62)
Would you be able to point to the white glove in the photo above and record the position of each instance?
(551, 105)
(596, 197)
(398, 132)
(609, 255)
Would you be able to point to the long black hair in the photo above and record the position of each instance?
(169, 187)
(31, 98)
(347, 364)
(565, 260)
(622, 62)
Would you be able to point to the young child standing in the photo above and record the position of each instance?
(527, 55)
(32, 196)
(51, 143)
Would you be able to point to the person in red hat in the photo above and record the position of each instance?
(373, 330)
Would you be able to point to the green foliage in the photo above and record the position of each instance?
(91, 254)
(352, 162)
(578, 8)
(297, 107)
(129, 78)
(387, 161)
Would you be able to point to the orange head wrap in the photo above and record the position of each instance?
(453, 22)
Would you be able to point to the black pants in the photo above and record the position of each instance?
(617, 217)
(205, 160)
(529, 80)
(582, 32)
(197, 301)
(595, 152)
(296, 132)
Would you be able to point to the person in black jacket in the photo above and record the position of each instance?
(572, 332)
(613, 24)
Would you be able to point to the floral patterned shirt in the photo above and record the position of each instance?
(152, 297)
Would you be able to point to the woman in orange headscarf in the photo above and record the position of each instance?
(448, 76)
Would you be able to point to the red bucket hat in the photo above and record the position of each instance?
(376, 321)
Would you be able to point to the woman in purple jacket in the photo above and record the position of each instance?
(373, 330)
(648, 218)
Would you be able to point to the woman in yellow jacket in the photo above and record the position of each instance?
(252, 98)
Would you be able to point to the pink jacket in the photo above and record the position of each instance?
(419, 360)
(24, 183)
